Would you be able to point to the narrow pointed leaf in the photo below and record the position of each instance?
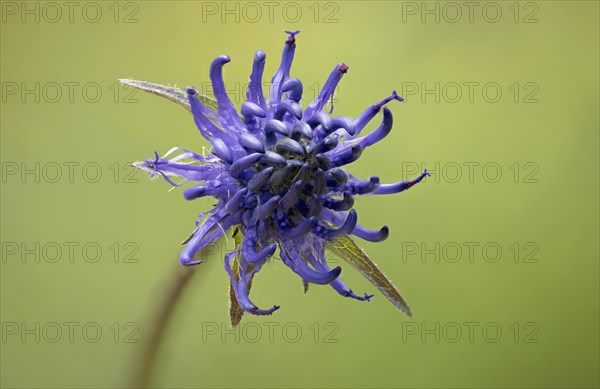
(304, 282)
(171, 93)
(235, 311)
(345, 248)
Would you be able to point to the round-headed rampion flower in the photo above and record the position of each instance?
(278, 175)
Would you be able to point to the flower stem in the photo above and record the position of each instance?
(158, 323)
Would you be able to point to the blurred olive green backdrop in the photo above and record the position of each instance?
(497, 252)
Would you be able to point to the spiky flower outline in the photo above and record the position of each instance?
(277, 173)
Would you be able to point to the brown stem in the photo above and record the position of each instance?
(159, 321)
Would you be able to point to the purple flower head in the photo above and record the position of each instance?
(278, 174)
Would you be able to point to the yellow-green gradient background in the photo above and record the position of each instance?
(554, 211)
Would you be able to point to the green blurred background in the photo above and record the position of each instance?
(523, 317)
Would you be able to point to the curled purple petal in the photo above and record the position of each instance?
(226, 109)
(327, 91)
(400, 186)
(370, 113)
(284, 69)
(254, 94)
